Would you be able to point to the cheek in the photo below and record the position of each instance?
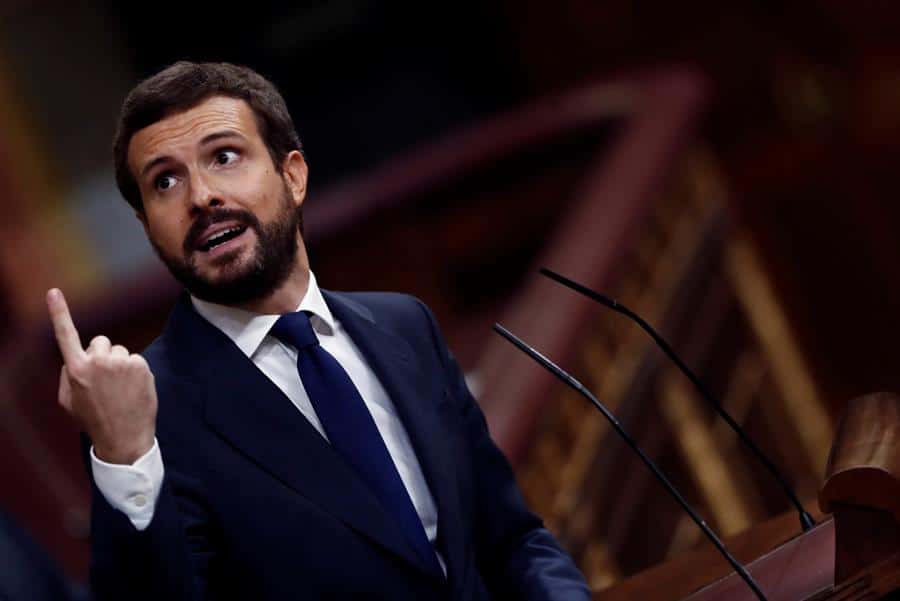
(264, 196)
(167, 233)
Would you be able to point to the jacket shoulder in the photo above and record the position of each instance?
(158, 356)
(400, 313)
(385, 304)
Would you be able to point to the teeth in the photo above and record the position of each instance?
(222, 233)
(214, 239)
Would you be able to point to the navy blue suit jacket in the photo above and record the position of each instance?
(255, 504)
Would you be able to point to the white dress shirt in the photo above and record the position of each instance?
(134, 489)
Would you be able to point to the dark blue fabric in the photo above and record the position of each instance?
(350, 428)
(256, 504)
(27, 572)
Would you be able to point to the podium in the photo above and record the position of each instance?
(853, 554)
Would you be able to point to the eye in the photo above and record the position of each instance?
(164, 181)
(226, 156)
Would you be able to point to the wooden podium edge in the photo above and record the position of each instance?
(853, 555)
(690, 572)
(800, 568)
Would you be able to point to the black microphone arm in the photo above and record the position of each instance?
(806, 520)
(578, 386)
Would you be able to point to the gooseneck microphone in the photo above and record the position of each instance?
(806, 520)
(578, 386)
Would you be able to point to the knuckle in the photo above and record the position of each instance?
(77, 369)
(138, 360)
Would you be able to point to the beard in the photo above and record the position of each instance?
(238, 282)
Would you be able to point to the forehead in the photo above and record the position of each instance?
(184, 130)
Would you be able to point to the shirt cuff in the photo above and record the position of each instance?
(132, 489)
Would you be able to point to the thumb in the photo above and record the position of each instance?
(65, 390)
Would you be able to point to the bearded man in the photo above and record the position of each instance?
(280, 441)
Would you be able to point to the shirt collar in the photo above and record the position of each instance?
(247, 329)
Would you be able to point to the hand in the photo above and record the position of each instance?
(109, 391)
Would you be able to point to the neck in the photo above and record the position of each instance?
(287, 296)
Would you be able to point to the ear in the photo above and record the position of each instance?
(294, 170)
(143, 219)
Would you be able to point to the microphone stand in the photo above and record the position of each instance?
(806, 520)
(578, 386)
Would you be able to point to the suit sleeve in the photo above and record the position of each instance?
(169, 559)
(132, 489)
(517, 557)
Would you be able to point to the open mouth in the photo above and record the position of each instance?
(220, 238)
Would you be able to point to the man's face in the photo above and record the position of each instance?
(220, 216)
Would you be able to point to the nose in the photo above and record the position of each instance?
(204, 195)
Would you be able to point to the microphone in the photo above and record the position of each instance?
(578, 386)
(806, 520)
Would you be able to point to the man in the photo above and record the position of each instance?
(308, 444)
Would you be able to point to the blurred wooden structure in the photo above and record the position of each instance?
(608, 184)
(648, 223)
(851, 555)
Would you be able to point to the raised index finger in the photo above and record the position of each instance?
(66, 335)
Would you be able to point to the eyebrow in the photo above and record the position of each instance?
(208, 139)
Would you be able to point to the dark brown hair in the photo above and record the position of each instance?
(184, 85)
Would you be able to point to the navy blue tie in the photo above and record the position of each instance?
(351, 429)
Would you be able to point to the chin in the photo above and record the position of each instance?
(230, 261)
(228, 269)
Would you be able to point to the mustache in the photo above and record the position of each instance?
(244, 218)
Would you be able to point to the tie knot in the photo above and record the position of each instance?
(295, 329)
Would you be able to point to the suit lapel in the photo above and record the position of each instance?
(250, 412)
(415, 397)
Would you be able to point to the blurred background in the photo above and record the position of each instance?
(728, 170)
